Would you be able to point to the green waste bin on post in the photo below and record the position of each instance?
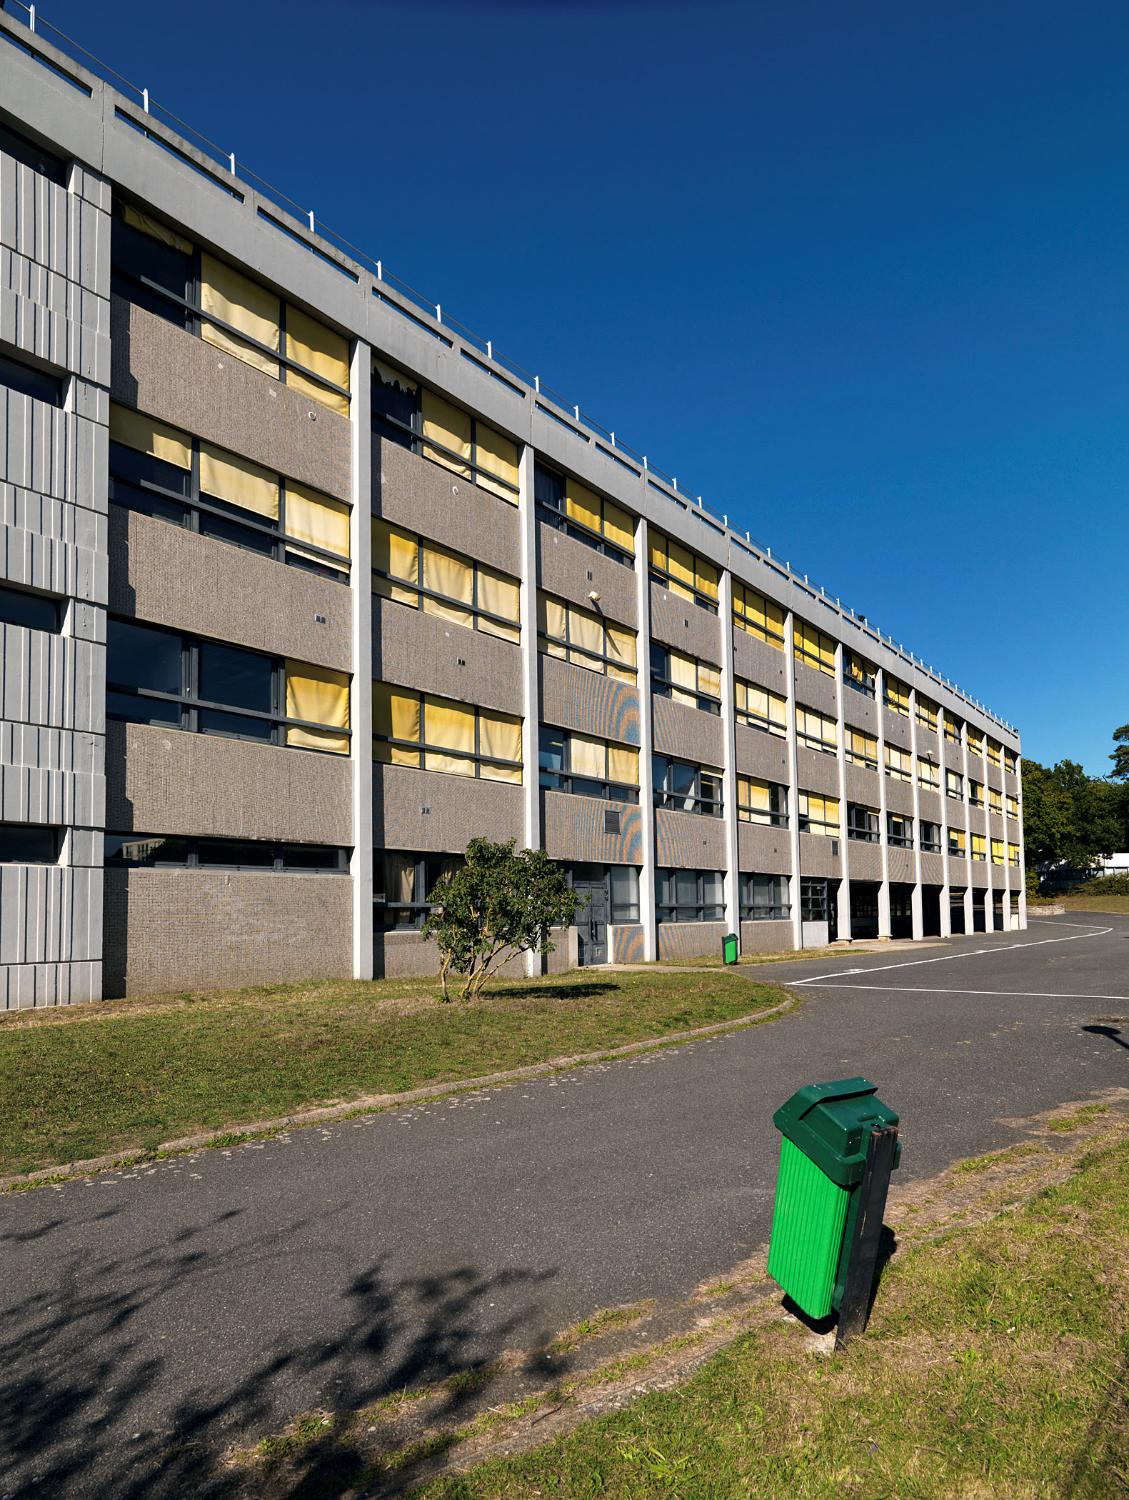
(729, 948)
(839, 1145)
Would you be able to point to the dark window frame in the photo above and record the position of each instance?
(753, 720)
(665, 688)
(705, 803)
(863, 824)
(42, 611)
(772, 817)
(544, 639)
(813, 741)
(193, 847)
(929, 835)
(699, 910)
(899, 840)
(474, 757)
(549, 490)
(867, 682)
(23, 149)
(774, 910)
(573, 782)
(419, 907)
(422, 592)
(48, 836)
(30, 380)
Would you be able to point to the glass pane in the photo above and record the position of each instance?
(312, 857)
(23, 845)
(142, 710)
(239, 678)
(145, 849)
(686, 887)
(139, 657)
(241, 852)
(35, 611)
(240, 536)
(133, 467)
(214, 721)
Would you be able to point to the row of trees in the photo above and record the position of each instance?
(1071, 817)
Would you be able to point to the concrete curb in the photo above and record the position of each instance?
(375, 1103)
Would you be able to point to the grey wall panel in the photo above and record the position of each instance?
(818, 856)
(899, 796)
(687, 733)
(55, 334)
(171, 374)
(51, 680)
(900, 866)
(690, 939)
(626, 944)
(814, 689)
(953, 757)
(573, 828)
(197, 929)
(866, 861)
(763, 851)
(48, 449)
(42, 221)
(979, 881)
(170, 781)
(929, 806)
(859, 711)
(761, 754)
(896, 730)
(40, 546)
(957, 817)
(862, 785)
(571, 570)
(766, 937)
(421, 651)
(928, 744)
(933, 869)
(688, 841)
(684, 625)
(431, 811)
(588, 702)
(817, 772)
(757, 662)
(169, 576)
(414, 492)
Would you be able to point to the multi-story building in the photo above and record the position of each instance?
(302, 588)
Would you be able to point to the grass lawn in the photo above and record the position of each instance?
(995, 1368)
(1083, 903)
(78, 1082)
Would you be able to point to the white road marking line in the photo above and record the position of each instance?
(910, 989)
(945, 958)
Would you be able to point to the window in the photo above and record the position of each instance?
(33, 611)
(952, 727)
(975, 792)
(159, 471)
(29, 380)
(895, 695)
(438, 734)
(759, 616)
(26, 844)
(862, 748)
(954, 784)
(994, 752)
(569, 506)
(975, 741)
(419, 573)
(979, 846)
(995, 801)
(159, 677)
(1013, 854)
(689, 896)
(764, 898)
(158, 268)
(624, 882)
(813, 648)
(683, 572)
(161, 851)
(862, 823)
(997, 851)
(813, 899)
(1012, 806)
(758, 708)
(588, 767)
(686, 788)
(30, 155)
(419, 419)
(685, 679)
(899, 830)
(817, 731)
(928, 775)
(899, 764)
(930, 838)
(927, 713)
(957, 842)
(859, 674)
(1010, 762)
(402, 886)
(585, 639)
(763, 802)
(819, 814)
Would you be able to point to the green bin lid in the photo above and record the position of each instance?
(831, 1124)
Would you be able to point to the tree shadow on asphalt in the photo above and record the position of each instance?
(1110, 1031)
(78, 1359)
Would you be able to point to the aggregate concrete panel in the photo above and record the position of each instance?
(767, 936)
(817, 771)
(761, 754)
(426, 498)
(690, 939)
(433, 812)
(688, 841)
(588, 702)
(576, 829)
(815, 689)
(819, 855)
(572, 571)
(859, 710)
(763, 850)
(899, 796)
(759, 663)
(862, 785)
(418, 650)
(896, 730)
(685, 626)
(687, 733)
(865, 861)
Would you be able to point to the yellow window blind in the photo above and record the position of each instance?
(997, 851)
(956, 841)
(995, 801)
(500, 736)
(147, 435)
(897, 696)
(496, 458)
(249, 308)
(587, 756)
(1013, 854)
(758, 616)
(1012, 807)
(450, 727)
(452, 576)
(928, 773)
(321, 697)
(898, 763)
(446, 434)
(621, 653)
(814, 648)
(156, 230)
(861, 748)
(499, 594)
(238, 481)
(395, 553)
(623, 765)
(396, 715)
(582, 504)
(586, 639)
(684, 572)
(317, 519)
(975, 741)
(323, 352)
(821, 812)
(619, 527)
(927, 713)
(979, 846)
(994, 753)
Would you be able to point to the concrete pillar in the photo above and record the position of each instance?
(946, 888)
(1022, 871)
(967, 829)
(843, 898)
(884, 927)
(360, 715)
(646, 747)
(793, 778)
(993, 878)
(917, 914)
(729, 769)
(530, 668)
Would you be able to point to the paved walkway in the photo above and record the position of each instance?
(206, 1299)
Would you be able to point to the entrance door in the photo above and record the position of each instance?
(814, 913)
(592, 922)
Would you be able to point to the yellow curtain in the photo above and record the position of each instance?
(978, 846)
(552, 622)
(957, 835)
(396, 553)
(621, 653)
(395, 715)
(156, 230)
(586, 633)
(389, 376)
(238, 481)
(582, 505)
(317, 519)
(321, 697)
(777, 709)
(251, 309)
(657, 550)
(449, 426)
(709, 679)
(587, 757)
(147, 435)
(496, 457)
(318, 349)
(680, 561)
(500, 735)
(623, 765)
(453, 577)
(707, 578)
(684, 677)
(501, 596)
(450, 726)
(619, 527)
(754, 793)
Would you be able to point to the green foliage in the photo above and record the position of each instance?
(499, 904)
(1106, 885)
(1070, 817)
(1120, 755)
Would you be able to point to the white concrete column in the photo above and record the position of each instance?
(360, 708)
(530, 669)
(884, 928)
(729, 769)
(843, 896)
(1022, 873)
(946, 887)
(990, 892)
(646, 747)
(968, 924)
(1008, 878)
(917, 914)
(793, 778)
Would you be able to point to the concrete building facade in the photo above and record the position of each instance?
(301, 589)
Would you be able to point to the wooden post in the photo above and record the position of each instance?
(854, 1309)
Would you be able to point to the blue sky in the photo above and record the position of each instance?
(858, 274)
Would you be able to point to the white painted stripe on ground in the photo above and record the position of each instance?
(945, 958)
(911, 989)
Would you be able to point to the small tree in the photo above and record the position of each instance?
(499, 904)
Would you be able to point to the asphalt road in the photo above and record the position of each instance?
(148, 1317)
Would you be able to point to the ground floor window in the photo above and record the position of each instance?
(764, 898)
(689, 896)
(402, 884)
(813, 900)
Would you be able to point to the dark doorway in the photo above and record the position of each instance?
(956, 910)
(931, 910)
(591, 918)
(901, 910)
(864, 909)
(978, 912)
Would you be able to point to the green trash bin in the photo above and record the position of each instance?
(826, 1131)
(729, 948)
